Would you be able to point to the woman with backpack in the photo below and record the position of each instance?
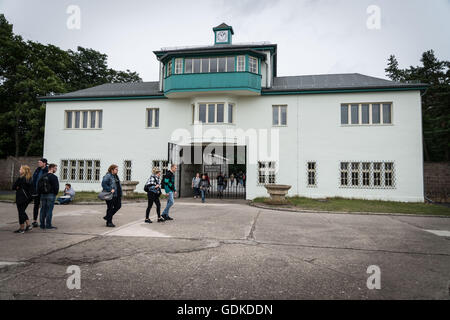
(24, 192)
(111, 183)
(153, 189)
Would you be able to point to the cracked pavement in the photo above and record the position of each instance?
(223, 250)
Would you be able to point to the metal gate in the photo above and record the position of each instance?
(234, 183)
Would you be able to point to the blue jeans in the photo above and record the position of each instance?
(47, 204)
(63, 200)
(170, 203)
(203, 191)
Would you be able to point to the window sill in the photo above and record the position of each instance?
(83, 129)
(368, 125)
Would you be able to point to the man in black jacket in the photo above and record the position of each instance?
(40, 170)
(48, 188)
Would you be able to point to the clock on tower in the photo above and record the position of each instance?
(222, 34)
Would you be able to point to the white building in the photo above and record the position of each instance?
(346, 135)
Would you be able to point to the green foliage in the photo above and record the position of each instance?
(29, 69)
(435, 101)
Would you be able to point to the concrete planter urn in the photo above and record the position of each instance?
(277, 193)
(128, 187)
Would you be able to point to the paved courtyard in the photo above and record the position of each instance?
(224, 250)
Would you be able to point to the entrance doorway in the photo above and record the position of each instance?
(213, 160)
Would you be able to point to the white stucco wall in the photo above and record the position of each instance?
(313, 133)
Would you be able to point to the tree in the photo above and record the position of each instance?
(30, 69)
(435, 101)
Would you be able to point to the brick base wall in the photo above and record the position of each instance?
(437, 181)
(9, 169)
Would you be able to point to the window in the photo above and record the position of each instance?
(240, 63)
(376, 113)
(388, 173)
(222, 64)
(230, 64)
(214, 112)
(366, 113)
(153, 118)
(311, 174)
(163, 165)
(279, 115)
(127, 170)
(211, 113)
(368, 175)
(213, 65)
(197, 65)
(187, 65)
(80, 170)
(354, 113)
(193, 113)
(252, 64)
(266, 172)
(69, 120)
(355, 173)
(386, 113)
(344, 173)
(230, 113)
(205, 65)
(202, 113)
(85, 119)
(377, 174)
(220, 112)
(77, 119)
(169, 68)
(344, 114)
(178, 66)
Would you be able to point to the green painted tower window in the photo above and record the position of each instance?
(240, 63)
(178, 65)
(252, 65)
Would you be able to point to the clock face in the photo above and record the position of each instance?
(222, 36)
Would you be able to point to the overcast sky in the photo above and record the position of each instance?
(313, 36)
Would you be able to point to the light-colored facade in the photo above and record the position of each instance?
(366, 160)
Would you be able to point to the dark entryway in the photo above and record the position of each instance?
(228, 160)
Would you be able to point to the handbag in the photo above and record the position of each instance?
(104, 195)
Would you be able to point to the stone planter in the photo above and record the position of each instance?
(277, 193)
(128, 187)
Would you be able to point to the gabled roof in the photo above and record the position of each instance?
(223, 26)
(335, 82)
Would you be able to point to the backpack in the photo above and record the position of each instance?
(163, 183)
(147, 188)
(44, 186)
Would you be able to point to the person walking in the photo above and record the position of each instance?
(24, 195)
(111, 183)
(40, 170)
(195, 185)
(169, 188)
(204, 186)
(153, 186)
(220, 185)
(48, 188)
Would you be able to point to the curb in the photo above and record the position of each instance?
(261, 206)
